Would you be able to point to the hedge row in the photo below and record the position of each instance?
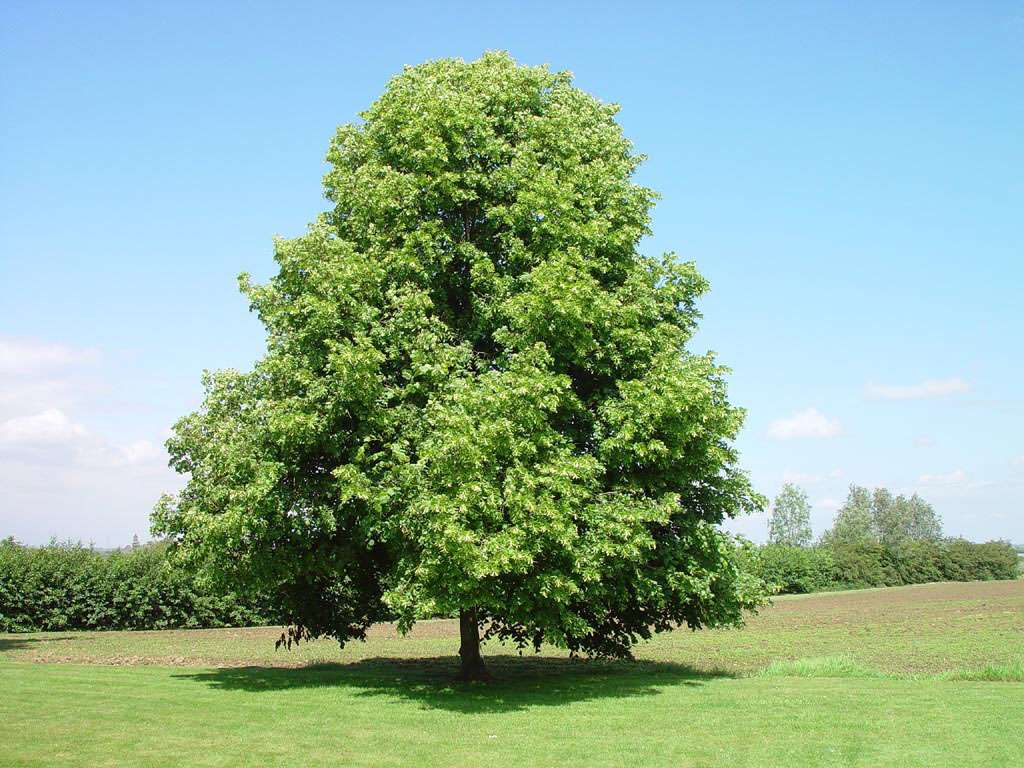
(62, 587)
(853, 566)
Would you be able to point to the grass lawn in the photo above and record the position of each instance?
(928, 675)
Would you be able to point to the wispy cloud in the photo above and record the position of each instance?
(810, 478)
(924, 442)
(26, 356)
(926, 389)
(62, 471)
(829, 504)
(956, 477)
(49, 426)
(40, 376)
(43, 435)
(807, 423)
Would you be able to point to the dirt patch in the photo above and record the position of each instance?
(901, 596)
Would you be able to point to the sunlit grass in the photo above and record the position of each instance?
(922, 676)
(1005, 673)
(822, 666)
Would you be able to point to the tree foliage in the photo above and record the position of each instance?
(476, 394)
(790, 522)
(880, 517)
(854, 522)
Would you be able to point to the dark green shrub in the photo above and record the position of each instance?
(854, 566)
(967, 561)
(920, 562)
(792, 569)
(66, 586)
(863, 565)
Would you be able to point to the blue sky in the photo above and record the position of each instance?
(849, 176)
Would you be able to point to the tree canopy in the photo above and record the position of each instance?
(476, 397)
(882, 518)
(790, 521)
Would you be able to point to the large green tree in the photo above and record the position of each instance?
(476, 397)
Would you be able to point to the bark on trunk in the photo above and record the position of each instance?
(472, 662)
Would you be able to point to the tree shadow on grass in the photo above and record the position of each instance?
(15, 643)
(519, 682)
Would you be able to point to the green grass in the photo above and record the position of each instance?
(825, 666)
(918, 676)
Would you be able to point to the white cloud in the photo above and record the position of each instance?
(924, 442)
(956, 477)
(22, 395)
(929, 388)
(807, 423)
(809, 478)
(143, 451)
(39, 376)
(1017, 461)
(65, 468)
(24, 356)
(41, 436)
(99, 454)
(829, 504)
(48, 427)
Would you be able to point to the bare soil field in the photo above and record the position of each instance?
(917, 630)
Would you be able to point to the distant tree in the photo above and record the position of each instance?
(883, 518)
(790, 521)
(922, 522)
(853, 523)
(898, 519)
(887, 518)
(476, 397)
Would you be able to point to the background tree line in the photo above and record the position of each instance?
(877, 539)
(867, 517)
(62, 587)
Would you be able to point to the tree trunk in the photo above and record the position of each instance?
(472, 663)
